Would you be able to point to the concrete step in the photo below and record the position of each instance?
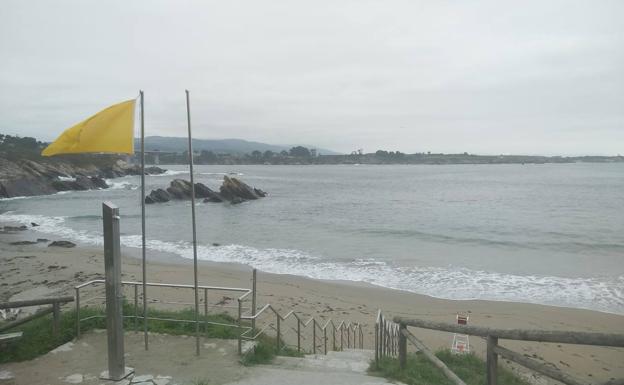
(354, 361)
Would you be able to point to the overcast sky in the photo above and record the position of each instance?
(490, 77)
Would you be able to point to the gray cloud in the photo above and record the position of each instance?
(484, 77)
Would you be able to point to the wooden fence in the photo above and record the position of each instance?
(385, 338)
(55, 309)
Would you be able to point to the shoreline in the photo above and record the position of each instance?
(43, 269)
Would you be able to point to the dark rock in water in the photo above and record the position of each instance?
(237, 200)
(99, 182)
(42, 240)
(23, 243)
(179, 189)
(234, 188)
(158, 196)
(216, 244)
(33, 224)
(66, 244)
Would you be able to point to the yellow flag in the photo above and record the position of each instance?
(110, 130)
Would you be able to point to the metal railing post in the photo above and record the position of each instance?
(313, 336)
(402, 346)
(333, 337)
(240, 329)
(136, 307)
(206, 311)
(376, 342)
(298, 335)
(253, 300)
(277, 316)
(77, 313)
(492, 360)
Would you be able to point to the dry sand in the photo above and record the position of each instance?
(30, 270)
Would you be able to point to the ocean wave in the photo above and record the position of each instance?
(114, 184)
(602, 294)
(172, 172)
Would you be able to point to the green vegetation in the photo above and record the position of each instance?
(38, 338)
(419, 371)
(265, 350)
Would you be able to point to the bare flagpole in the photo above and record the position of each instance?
(143, 223)
(190, 151)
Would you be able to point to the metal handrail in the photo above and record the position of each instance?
(351, 328)
(136, 316)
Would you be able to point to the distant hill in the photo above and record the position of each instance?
(226, 146)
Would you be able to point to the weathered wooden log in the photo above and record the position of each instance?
(434, 360)
(35, 302)
(554, 336)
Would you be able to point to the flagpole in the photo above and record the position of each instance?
(143, 260)
(190, 151)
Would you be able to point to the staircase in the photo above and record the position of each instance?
(346, 367)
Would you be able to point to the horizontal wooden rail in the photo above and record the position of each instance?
(554, 336)
(35, 302)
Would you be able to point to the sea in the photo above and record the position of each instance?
(537, 233)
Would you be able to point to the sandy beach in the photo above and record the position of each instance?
(35, 270)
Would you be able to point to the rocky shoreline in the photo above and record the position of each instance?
(29, 178)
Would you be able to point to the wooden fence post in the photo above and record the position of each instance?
(402, 346)
(56, 316)
(492, 360)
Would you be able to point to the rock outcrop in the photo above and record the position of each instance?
(232, 190)
(28, 178)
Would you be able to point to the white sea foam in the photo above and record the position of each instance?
(124, 184)
(172, 172)
(603, 294)
(67, 178)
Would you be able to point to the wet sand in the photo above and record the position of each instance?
(33, 270)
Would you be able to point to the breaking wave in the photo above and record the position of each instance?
(602, 294)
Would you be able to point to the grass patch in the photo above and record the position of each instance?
(38, 338)
(265, 350)
(419, 371)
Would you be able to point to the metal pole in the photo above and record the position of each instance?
(114, 293)
(143, 258)
(240, 329)
(136, 308)
(253, 301)
(277, 316)
(77, 313)
(190, 150)
(298, 335)
(206, 310)
(313, 336)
